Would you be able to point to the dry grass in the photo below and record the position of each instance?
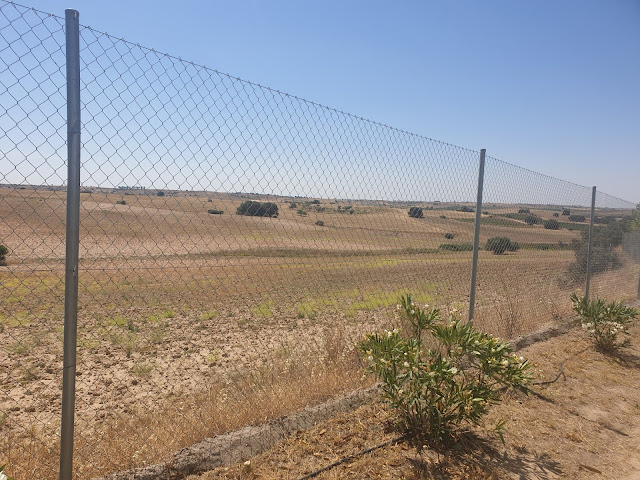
(291, 382)
(582, 434)
(177, 306)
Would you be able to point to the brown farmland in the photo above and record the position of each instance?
(192, 324)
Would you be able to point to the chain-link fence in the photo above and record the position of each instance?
(235, 242)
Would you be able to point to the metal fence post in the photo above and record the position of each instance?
(72, 30)
(476, 237)
(593, 208)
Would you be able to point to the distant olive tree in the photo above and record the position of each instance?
(416, 212)
(552, 224)
(258, 209)
(3, 254)
(499, 245)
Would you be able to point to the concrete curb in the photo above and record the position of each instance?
(233, 447)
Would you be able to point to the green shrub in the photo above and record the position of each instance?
(577, 218)
(443, 217)
(457, 247)
(566, 211)
(3, 254)
(604, 220)
(552, 224)
(524, 210)
(301, 212)
(121, 202)
(449, 236)
(604, 321)
(531, 220)
(320, 223)
(215, 212)
(258, 209)
(499, 245)
(160, 193)
(466, 209)
(603, 256)
(415, 212)
(556, 214)
(293, 205)
(434, 390)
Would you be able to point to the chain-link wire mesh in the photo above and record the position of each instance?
(631, 245)
(615, 274)
(534, 233)
(32, 213)
(235, 243)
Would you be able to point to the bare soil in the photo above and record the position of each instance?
(191, 325)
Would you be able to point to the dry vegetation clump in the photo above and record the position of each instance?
(294, 378)
(582, 434)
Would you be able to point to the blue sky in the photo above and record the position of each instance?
(552, 86)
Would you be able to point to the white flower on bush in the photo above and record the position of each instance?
(406, 364)
(453, 370)
(3, 476)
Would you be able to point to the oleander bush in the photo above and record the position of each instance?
(605, 321)
(444, 373)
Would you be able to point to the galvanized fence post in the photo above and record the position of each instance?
(593, 208)
(476, 237)
(72, 30)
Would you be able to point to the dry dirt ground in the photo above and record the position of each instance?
(586, 425)
(221, 321)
